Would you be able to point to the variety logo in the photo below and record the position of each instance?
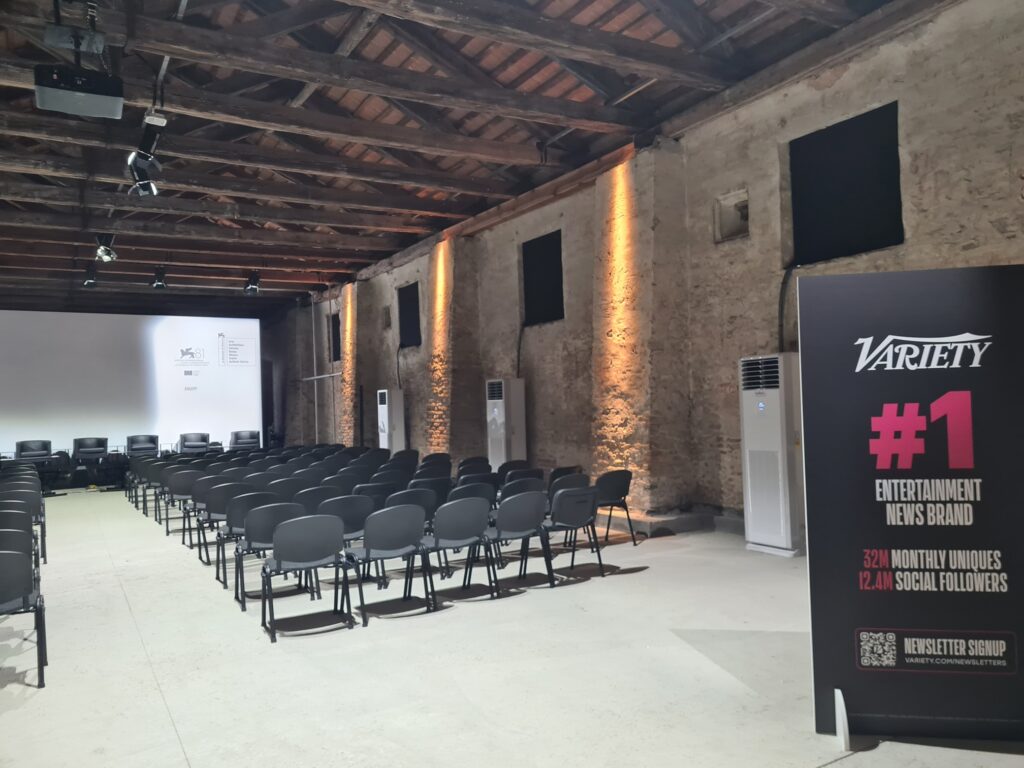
(914, 353)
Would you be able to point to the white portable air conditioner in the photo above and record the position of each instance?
(772, 460)
(390, 419)
(506, 421)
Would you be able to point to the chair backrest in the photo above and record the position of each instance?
(180, 483)
(287, 487)
(261, 479)
(342, 483)
(238, 474)
(201, 487)
(239, 461)
(522, 474)
(300, 462)
(508, 466)
(219, 496)
(281, 470)
(20, 485)
(310, 498)
(373, 458)
(575, 480)
(558, 472)
(574, 507)
(335, 462)
(142, 445)
(379, 492)
(521, 515)
(33, 499)
(312, 474)
(476, 468)
(394, 528)
(261, 521)
(16, 540)
(308, 539)
(422, 497)
(239, 506)
(16, 580)
(462, 519)
(170, 471)
(436, 469)
(396, 476)
(32, 449)
(441, 486)
(353, 511)
(490, 478)
(13, 505)
(361, 472)
(436, 458)
(406, 455)
(262, 465)
(474, 490)
(525, 485)
(613, 486)
(14, 519)
(152, 471)
(194, 442)
(85, 447)
(473, 460)
(217, 467)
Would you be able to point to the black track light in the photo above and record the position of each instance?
(90, 275)
(159, 278)
(105, 248)
(252, 285)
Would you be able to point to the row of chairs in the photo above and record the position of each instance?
(373, 521)
(22, 512)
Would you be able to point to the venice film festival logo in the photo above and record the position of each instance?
(191, 355)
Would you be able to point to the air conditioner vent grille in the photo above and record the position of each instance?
(382, 397)
(759, 373)
(496, 389)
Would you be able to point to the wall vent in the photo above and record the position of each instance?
(496, 390)
(382, 397)
(760, 373)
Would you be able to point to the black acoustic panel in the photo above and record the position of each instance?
(334, 334)
(846, 187)
(409, 316)
(543, 301)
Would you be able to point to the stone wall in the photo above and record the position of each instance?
(642, 370)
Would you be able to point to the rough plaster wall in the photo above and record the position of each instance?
(556, 357)
(961, 97)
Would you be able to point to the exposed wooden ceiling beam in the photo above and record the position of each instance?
(180, 206)
(44, 126)
(143, 279)
(207, 232)
(290, 19)
(222, 49)
(246, 254)
(16, 73)
(111, 170)
(561, 39)
(355, 34)
(131, 255)
(268, 277)
(831, 13)
(691, 23)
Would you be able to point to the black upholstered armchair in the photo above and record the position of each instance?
(143, 445)
(245, 440)
(33, 450)
(194, 442)
(89, 448)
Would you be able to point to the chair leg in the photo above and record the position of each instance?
(42, 537)
(632, 533)
(608, 525)
(362, 603)
(597, 549)
(219, 554)
(572, 539)
(492, 583)
(467, 577)
(270, 607)
(40, 646)
(545, 543)
(337, 584)
(428, 582)
(407, 584)
(524, 556)
(240, 579)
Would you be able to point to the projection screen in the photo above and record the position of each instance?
(67, 375)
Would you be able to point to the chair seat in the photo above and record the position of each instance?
(432, 543)
(491, 534)
(363, 554)
(243, 544)
(271, 564)
(34, 455)
(17, 605)
(211, 517)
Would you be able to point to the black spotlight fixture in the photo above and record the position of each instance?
(105, 248)
(90, 276)
(159, 278)
(252, 285)
(141, 165)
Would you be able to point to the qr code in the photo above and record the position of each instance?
(877, 649)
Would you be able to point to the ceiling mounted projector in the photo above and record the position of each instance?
(77, 91)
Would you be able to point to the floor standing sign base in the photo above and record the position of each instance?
(913, 423)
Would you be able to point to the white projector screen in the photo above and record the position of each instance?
(67, 375)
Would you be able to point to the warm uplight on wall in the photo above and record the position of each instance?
(439, 405)
(347, 420)
(622, 420)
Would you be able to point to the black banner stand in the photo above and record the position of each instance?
(913, 447)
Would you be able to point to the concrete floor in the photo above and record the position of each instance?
(692, 652)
